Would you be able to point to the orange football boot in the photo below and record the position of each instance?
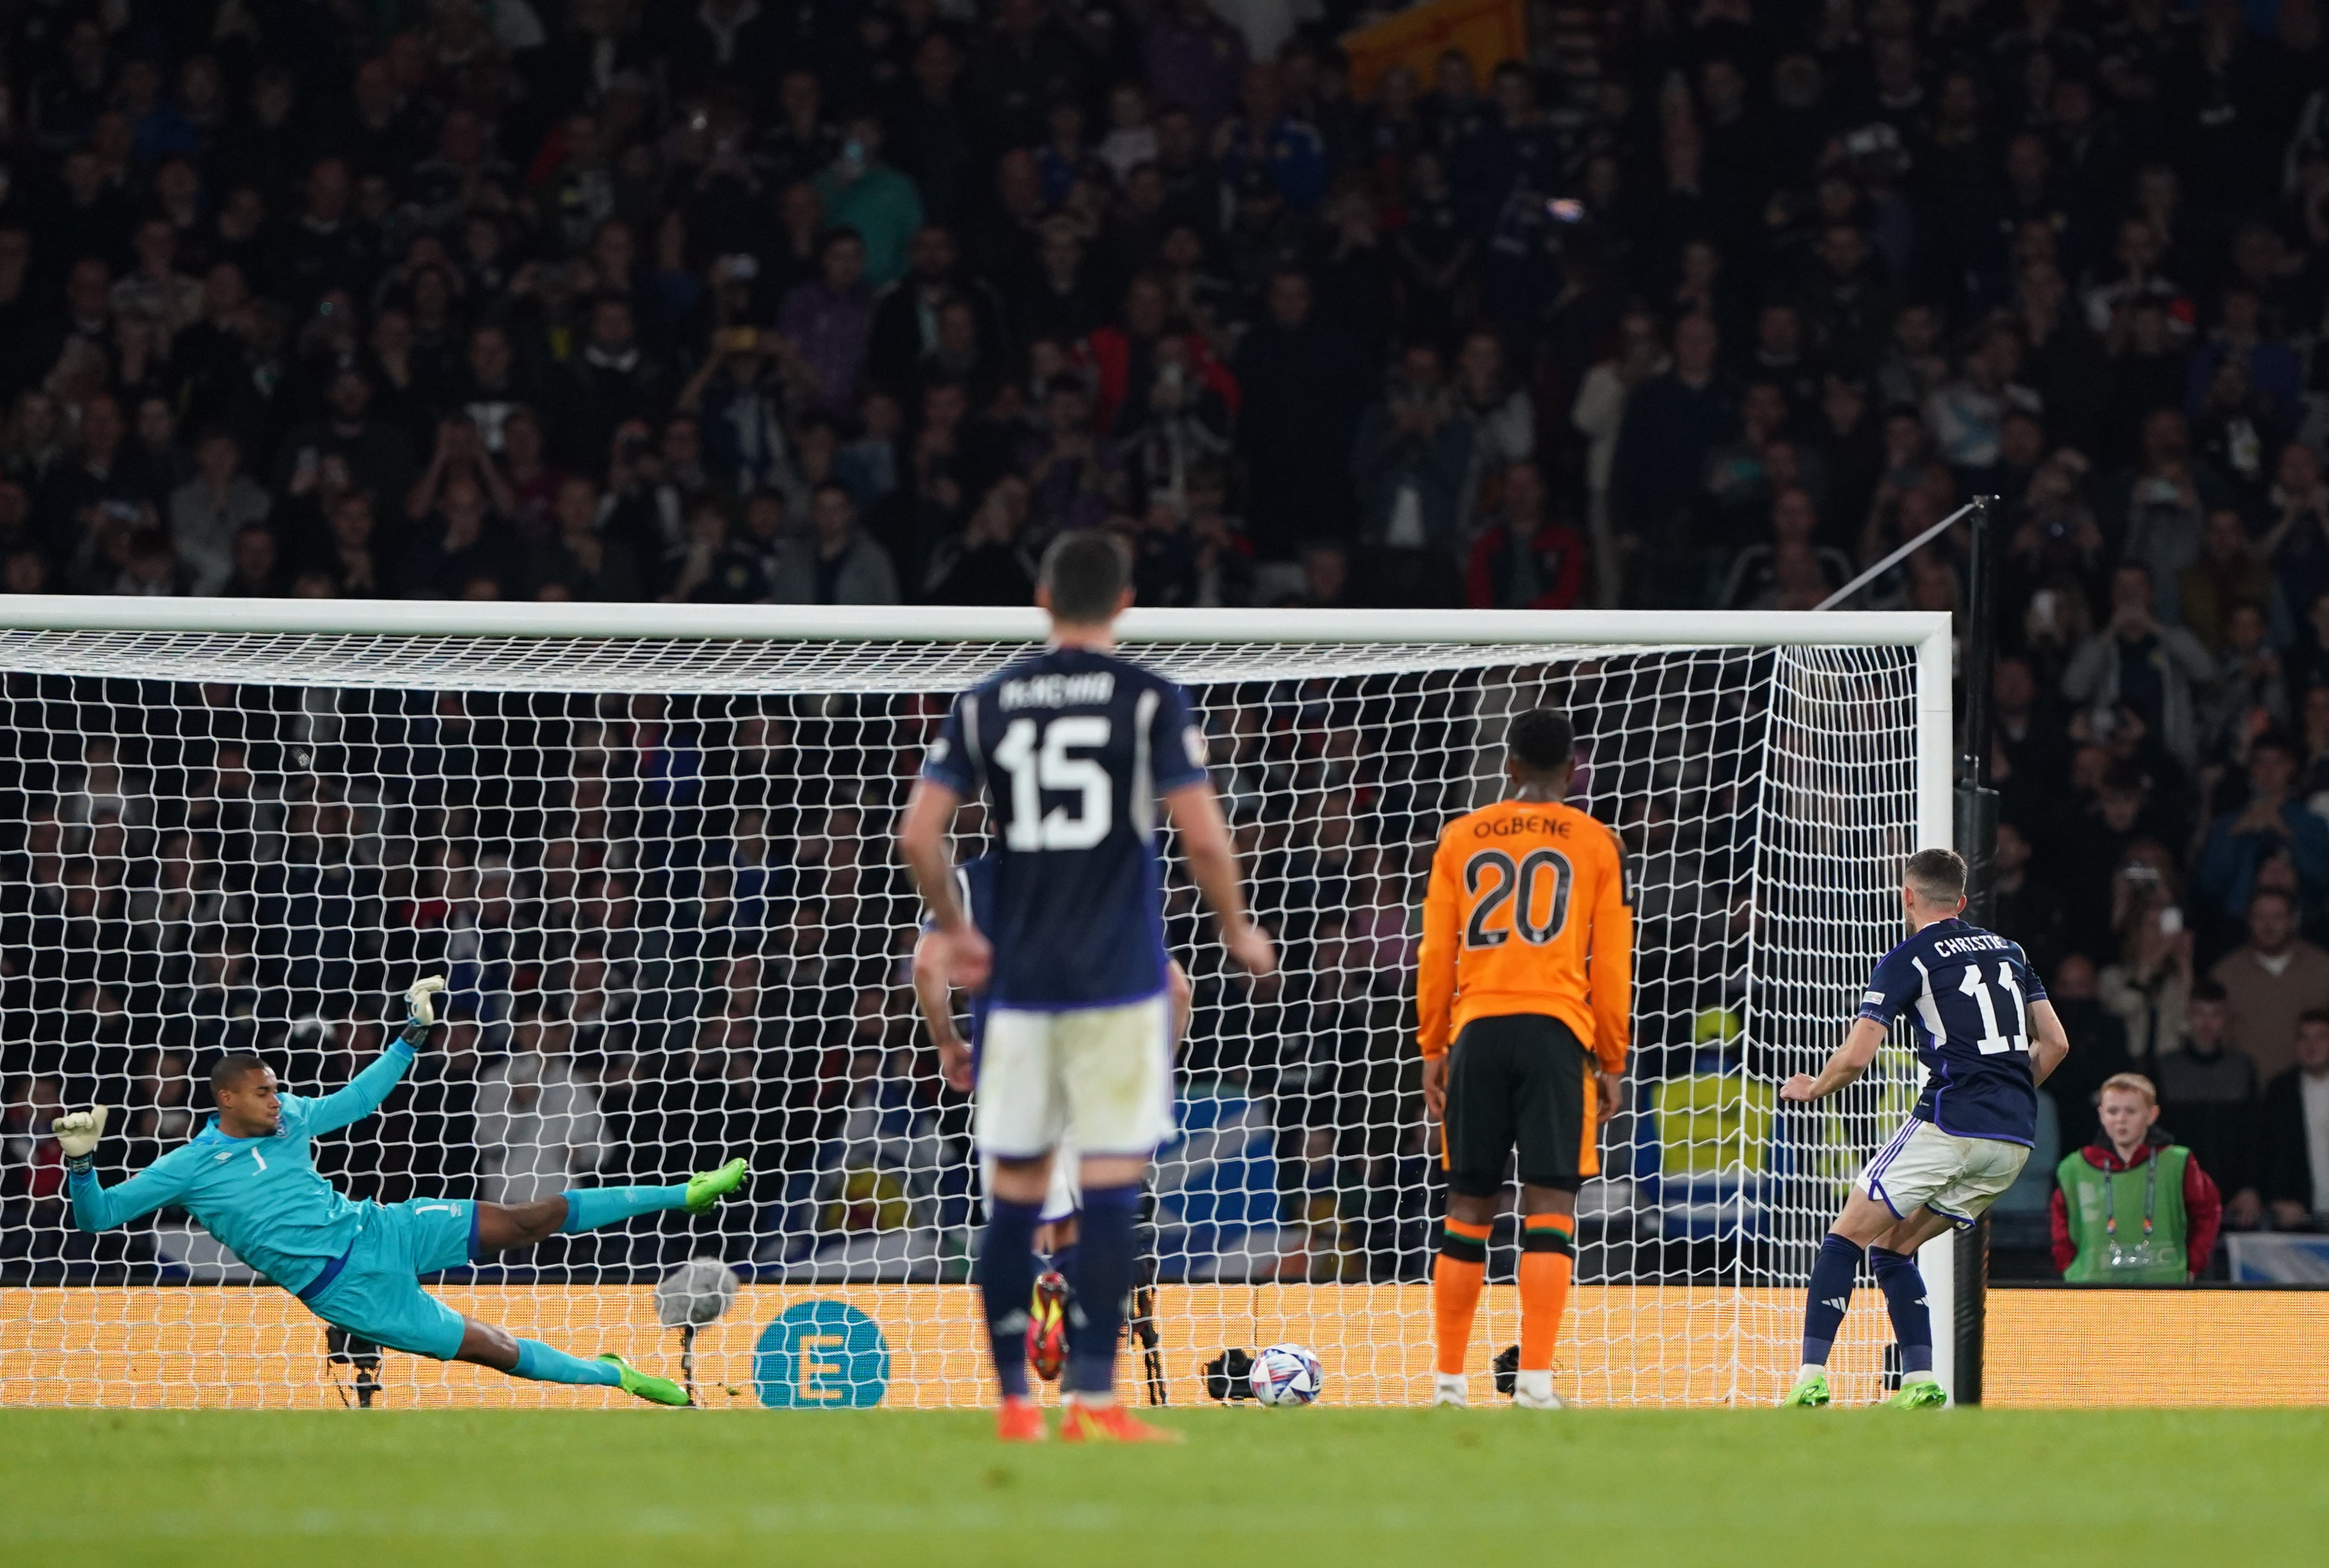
(1019, 1421)
(1047, 1326)
(1111, 1424)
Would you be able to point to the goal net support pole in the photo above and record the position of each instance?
(651, 844)
(1976, 840)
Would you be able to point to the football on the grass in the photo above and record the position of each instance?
(1287, 1374)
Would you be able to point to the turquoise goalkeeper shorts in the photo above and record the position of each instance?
(377, 1292)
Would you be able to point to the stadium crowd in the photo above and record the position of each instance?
(816, 302)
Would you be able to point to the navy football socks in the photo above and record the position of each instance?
(1904, 1295)
(1105, 1249)
(1833, 1274)
(1006, 1279)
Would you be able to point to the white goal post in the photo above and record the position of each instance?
(652, 844)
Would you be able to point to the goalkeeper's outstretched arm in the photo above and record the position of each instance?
(95, 1206)
(361, 1095)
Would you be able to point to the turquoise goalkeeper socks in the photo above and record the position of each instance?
(539, 1363)
(588, 1208)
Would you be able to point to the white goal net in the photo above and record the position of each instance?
(658, 871)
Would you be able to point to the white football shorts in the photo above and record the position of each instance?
(1064, 1198)
(1098, 1079)
(1956, 1177)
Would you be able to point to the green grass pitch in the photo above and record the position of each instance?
(1332, 1487)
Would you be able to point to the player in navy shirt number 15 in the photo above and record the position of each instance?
(1072, 749)
(1980, 1024)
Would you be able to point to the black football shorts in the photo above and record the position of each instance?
(1521, 1081)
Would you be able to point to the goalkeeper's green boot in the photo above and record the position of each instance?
(1809, 1393)
(646, 1386)
(708, 1187)
(1919, 1394)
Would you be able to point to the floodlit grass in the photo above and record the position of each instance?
(1333, 1487)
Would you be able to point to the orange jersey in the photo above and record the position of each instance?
(1527, 913)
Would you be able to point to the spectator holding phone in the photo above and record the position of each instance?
(2150, 665)
(2150, 981)
(738, 393)
(871, 199)
(2274, 819)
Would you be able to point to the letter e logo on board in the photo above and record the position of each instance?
(821, 1355)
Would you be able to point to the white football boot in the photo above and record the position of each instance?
(1533, 1390)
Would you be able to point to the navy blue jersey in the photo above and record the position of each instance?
(1967, 994)
(1071, 749)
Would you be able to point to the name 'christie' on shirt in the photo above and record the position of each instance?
(1967, 994)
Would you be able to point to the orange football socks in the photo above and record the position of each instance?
(1548, 1252)
(1456, 1278)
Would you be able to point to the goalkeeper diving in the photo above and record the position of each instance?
(249, 1177)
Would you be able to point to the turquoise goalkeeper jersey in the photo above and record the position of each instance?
(259, 1195)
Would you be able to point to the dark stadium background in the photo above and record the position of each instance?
(829, 303)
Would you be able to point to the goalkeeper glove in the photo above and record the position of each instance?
(77, 1133)
(421, 1006)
